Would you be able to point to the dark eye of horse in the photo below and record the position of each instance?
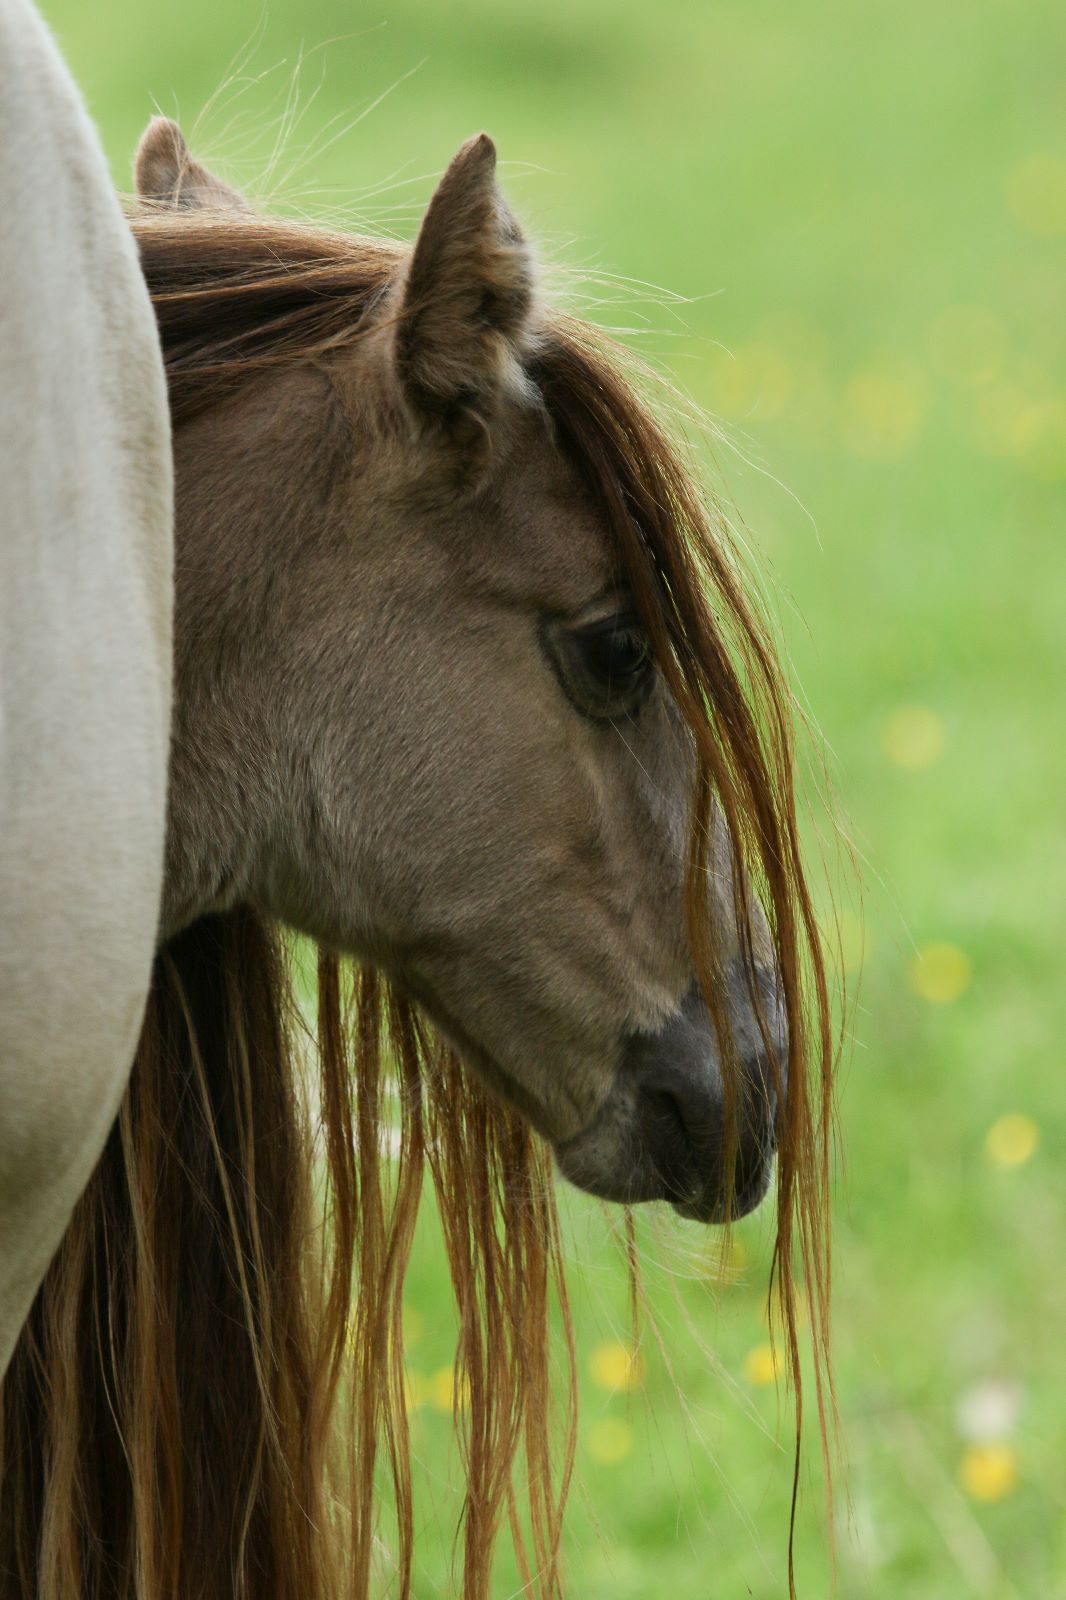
(605, 667)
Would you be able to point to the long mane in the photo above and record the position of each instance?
(214, 1368)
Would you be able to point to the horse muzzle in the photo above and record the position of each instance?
(662, 1133)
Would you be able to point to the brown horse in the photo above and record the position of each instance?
(467, 689)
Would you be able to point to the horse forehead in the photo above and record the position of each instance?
(540, 530)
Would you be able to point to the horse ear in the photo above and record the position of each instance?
(165, 172)
(468, 294)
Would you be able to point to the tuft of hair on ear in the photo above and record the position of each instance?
(165, 174)
(467, 299)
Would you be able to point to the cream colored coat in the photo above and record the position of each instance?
(85, 623)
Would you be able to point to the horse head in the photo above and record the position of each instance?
(430, 711)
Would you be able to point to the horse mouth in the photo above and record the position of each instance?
(630, 1181)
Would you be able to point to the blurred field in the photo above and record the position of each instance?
(865, 208)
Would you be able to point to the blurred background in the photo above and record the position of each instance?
(842, 232)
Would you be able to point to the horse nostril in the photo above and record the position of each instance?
(664, 1112)
(669, 1142)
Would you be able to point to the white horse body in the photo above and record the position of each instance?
(85, 652)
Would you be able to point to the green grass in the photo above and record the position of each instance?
(824, 183)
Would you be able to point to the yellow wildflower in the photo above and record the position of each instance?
(615, 1366)
(1036, 195)
(609, 1441)
(913, 738)
(1012, 1140)
(940, 973)
(885, 408)
(443, 1394)
(762, 1365)
(989, 1471)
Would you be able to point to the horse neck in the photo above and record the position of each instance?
(253, 501)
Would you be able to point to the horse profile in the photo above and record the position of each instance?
(468, 693)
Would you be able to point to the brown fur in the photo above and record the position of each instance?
(393, 473)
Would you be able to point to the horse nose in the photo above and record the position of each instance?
(681, 1104)
(682, 1129)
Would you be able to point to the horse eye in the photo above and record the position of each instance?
(605, 667)
(615, 653)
